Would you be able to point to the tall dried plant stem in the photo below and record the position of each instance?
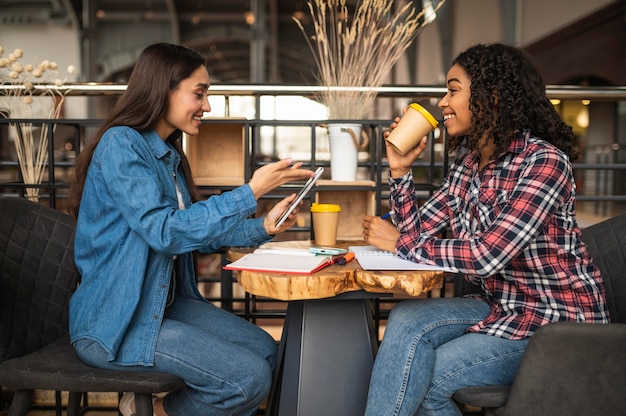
(22, 102)
(31, 150)
(358, 52)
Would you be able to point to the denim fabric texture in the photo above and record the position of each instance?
(227, 362)
(129, 230)
(427, 354)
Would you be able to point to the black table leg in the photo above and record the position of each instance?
(325, 358)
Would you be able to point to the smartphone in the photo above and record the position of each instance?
(329, 251)
(305, 190)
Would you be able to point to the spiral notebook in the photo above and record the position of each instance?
(373, 258)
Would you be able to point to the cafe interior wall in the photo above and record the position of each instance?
(459, 24)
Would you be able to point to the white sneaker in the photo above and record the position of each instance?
(127, 404)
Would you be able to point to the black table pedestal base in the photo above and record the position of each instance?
(325, 358)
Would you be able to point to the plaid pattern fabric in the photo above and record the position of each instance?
(514, 232)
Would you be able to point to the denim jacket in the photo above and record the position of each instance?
(129, 230)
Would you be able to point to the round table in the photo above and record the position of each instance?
(332, 280)
(329, 339)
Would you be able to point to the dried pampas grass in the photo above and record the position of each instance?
(359, 51)
(20, 100)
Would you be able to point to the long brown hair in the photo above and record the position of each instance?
(159, 69)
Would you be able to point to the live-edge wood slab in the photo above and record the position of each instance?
(332, 280)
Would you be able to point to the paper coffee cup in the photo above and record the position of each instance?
(325, 223)
(416, 123)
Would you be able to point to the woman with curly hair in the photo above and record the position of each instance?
(509, 205)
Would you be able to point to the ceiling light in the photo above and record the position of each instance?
(582, 119)
(250, 19)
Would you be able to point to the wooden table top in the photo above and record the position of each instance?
(332, 280)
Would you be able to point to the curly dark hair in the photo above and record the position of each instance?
(507, 97)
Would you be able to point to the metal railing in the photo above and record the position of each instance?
(602, 163)
(606, 168)
(613, 93)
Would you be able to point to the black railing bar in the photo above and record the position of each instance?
(254, 315)
(80, 122)
(20, 185)
(42, 185)
(319, 123)
(601, 198)
(599, 166)
(98, 89)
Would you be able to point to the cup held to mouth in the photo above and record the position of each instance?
(416, 123)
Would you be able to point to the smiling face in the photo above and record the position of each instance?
(456, 103)
(186, 106)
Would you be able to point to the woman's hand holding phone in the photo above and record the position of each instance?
(303, 191)
(271, 219)
(273, 175)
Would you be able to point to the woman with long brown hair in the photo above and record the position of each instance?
(140, 218)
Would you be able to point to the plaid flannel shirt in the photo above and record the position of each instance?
(514, 232)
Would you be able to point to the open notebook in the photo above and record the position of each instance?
(372, 258)
(281, 260)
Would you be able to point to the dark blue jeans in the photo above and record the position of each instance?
(226, 362)
(426, 355)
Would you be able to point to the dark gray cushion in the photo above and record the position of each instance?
(37, 279)
(569, 369)
(550, 372)
(37, 275)
(606, 242)
(483, 396)
(57, 367)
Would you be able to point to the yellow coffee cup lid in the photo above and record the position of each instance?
(425, 113)
(315, 207)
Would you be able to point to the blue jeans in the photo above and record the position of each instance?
(225, 361)
(426, 355)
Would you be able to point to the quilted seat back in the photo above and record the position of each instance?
(37, 275)
(606, 242)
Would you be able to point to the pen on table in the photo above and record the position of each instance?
(345, 259)
(335, 259)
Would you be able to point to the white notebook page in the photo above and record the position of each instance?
(372, 258)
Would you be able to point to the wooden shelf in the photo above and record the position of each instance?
(329, 183)
(217, 154)
(354, 205)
